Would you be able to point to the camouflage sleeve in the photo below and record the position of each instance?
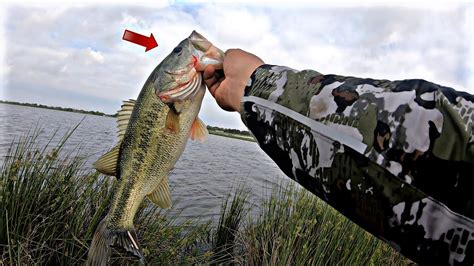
(395, 157)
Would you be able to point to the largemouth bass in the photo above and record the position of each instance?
(153, 131)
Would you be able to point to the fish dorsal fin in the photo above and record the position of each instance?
(172, 121)
(107, 163)
(161, 196)
(124, 116)
(198, 130)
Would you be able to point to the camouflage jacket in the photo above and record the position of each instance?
(395, 157)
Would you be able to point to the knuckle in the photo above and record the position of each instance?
(232, 51)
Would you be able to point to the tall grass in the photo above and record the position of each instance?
(51, 206)
(47, 204)
(230, 221)
(296, 228)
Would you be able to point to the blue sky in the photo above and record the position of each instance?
(73, 56)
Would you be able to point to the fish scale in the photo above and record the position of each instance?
(152, 137)
(144, 160)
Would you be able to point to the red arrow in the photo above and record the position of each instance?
(148, 42)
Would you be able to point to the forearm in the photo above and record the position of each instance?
(376, 150)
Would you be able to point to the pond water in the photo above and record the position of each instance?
(201, 180)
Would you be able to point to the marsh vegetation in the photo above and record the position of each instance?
(51, 204)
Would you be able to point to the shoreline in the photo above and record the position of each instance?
(232, 136)
(218, 132)
(57, 108)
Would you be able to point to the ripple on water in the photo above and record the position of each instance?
(201, 179)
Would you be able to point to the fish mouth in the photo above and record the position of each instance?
(183, 91)
(185, 82)
(205, 52)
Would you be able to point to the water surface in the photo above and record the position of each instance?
(200, 181)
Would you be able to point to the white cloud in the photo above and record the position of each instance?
(237, 26)
(78, 51)
(4, 69)
(467, 26)
(97, 56)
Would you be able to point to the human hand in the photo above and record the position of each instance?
(229, 89)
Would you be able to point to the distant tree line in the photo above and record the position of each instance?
(67, 109)
(229, 130)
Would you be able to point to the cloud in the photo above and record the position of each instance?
(96, 56)
(4, 69)
(467, 27)
(77, 50)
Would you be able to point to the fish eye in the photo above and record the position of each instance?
(177, 49)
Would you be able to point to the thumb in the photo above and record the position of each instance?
(212, 79)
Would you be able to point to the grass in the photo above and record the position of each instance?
(51, 205)
(296, 228)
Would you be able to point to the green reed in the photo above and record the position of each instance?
(51, 205)
(294, 227)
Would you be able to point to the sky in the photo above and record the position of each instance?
(74, 56)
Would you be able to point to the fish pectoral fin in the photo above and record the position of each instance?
(198, 130)
(107, 163)
(172, 121)
(161, 196)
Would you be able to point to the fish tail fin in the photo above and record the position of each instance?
(104, 239)
(126, 240)
(99, 251)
